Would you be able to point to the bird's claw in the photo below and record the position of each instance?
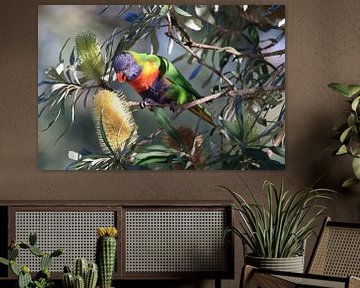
(148, 103)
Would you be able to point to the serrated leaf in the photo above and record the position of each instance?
(342, 150)
(340, 88)
(349, 182)
(278, 150)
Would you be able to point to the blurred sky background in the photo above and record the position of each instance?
(57, 23)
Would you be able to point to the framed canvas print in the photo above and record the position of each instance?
(161, 87)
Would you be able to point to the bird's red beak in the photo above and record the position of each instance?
(121, 77)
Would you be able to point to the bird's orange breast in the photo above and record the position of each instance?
(146, 78)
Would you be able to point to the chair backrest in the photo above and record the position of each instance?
(337, 251)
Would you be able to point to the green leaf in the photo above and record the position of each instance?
(278, 150)
(355, 103)
(356, 167)
(182, 12)
(340, 88)
(232, 129)
(342, 150)
(345, 134)
(203, 11)
(190, 22)
(254, 35)
(353, 89)
(154, 42)
(4, 261)
(349, 182)
(165, 123)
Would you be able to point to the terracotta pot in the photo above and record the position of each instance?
(291, 264)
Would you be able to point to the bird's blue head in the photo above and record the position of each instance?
(126, 67)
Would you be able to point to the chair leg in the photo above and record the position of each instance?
(246, 273)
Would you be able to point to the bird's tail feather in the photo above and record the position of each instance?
(202, 113)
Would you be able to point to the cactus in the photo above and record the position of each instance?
(45, 261)
(105, 254)
(32, 239)
(80, 267)
(79, 282)
(91, 276)
(13, 253)
(68, 280)
(88, 273)
(24, 278)
(36, 251)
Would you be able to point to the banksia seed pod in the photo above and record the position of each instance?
(91, 276)
(79, 282)
(68, 280)
(114, 120)
(106, 254)
(80, 268)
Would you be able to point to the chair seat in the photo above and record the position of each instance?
(315, 282)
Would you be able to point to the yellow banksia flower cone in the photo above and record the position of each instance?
(114, 117)
(106, 231)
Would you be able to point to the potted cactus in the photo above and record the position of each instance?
(106, 254)
(42, 278)
(84, 275)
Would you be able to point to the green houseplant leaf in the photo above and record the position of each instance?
(279, 228)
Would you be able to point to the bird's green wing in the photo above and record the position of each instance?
(178, 80)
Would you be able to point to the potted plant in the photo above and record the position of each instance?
(348, 132)
(25, 280)
(276, 233)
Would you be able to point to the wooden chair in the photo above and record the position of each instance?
(334, 263)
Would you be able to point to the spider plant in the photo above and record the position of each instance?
(278, 229)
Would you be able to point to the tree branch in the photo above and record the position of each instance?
(173, 23)
(245, 93)
(232, 50)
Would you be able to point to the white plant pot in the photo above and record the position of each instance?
(291, 264)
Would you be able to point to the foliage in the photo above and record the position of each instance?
(279, 229)
(42, 278)
(227, 41)
(348, 132)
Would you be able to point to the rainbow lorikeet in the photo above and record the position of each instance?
(157, 80)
